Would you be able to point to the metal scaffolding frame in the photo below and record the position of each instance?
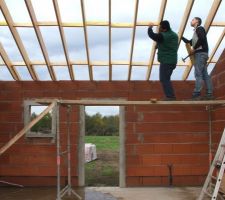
(68, 188)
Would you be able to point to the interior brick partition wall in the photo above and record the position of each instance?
(157, 136)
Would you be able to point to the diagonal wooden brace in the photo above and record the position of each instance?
(26, 128)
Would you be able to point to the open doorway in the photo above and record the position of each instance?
(102, 132)
(101, 146)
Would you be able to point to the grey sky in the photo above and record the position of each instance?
(98, 36)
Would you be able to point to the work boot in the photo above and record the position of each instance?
(169, 99)
(196, 97)
(208, 97)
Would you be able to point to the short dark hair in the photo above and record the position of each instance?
(199, 20)
(165, 24)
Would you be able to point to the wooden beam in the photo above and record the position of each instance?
(152, 55)
(86, 38)
(17, 39)
(126, 102)
(98, 63)
(80, 24)
(181, 32)
(220, 24)
(212, 13)
(185, 18)
(133, 38)
(110, 40)
(98, 23)
(8, 63)
(63, 39)
(26, 128)
(40, 38)
(216, 46)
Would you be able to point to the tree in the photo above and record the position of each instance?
(99, 125)
(44, 125)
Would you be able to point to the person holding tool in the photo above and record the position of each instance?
(167, 44)
(200, 50)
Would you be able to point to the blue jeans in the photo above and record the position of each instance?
(201, 74)
(165, 72)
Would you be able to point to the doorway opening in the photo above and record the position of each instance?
(101, 146)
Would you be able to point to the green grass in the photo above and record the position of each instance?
(104, 142)
(104, 171)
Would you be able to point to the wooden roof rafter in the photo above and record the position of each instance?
(17, 39)
(110, 40)
(185, 18)
(8, 63)
(40, 38)
(216, 46)
(133, 38)
(86, 38)
(184, 23)
(153, 51)
(63, 39)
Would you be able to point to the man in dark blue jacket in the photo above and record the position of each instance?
(200, 50)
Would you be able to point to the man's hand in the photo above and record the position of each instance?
(192, 51)
(150, 25)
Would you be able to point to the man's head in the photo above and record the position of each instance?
(196, 21)
(164, 26)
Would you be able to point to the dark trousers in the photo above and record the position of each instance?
(165, 72)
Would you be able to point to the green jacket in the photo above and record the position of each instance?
(167, 49)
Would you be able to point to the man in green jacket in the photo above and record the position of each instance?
(167, 44)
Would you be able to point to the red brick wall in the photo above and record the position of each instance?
(155, 135)
(166, 135)
(218, 112)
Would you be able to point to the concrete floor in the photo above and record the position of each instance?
(152, 193)
(103, 193)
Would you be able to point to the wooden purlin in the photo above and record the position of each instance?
(133, 38)
(17, 39)
(98, 63)
(8, 63)
(220, 24)
(63, 39)
(88, 23)
(207, 25)
(26, 128)
(86, 39)
(40, 38)
(153, 51)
